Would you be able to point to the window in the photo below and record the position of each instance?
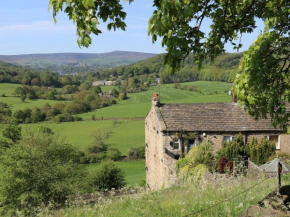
(175, 144)
(275, 139)
(229, 138)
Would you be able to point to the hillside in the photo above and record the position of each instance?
(223, 68)
(76, 62)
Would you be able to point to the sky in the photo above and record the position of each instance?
(27, 27)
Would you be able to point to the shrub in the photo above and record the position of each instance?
(259, 153)
(205, 154)
(77, 118)
(122, 96)
(108, 176)
(192, 174)
(114, 154)
(192, 88)
(136, 153)
(177, 86)
(184, 87)
(234, 150)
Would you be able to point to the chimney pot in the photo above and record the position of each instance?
(155, 100)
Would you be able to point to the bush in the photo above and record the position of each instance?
(205, 154)
(136, 153)
(77, 118)
(235, 150)
(108, 176)
(259, 153)
(122, 96)
(114, 154)
(177, 86)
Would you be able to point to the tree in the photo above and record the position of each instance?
(11, 130)
(115, 93)
(263, 85)
(97, 90)
(38, 171)
(108, 176)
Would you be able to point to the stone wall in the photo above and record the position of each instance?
(160, 168)
(154, 151)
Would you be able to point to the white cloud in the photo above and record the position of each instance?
(38, 26)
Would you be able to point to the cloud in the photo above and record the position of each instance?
(38, 26)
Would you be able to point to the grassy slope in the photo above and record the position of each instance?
(183, 201)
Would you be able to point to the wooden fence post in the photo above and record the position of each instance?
(279, 170)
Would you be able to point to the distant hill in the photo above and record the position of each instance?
(76, 62)
(224, 68)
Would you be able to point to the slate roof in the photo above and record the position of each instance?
(210, 117)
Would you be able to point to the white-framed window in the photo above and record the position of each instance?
(229, 138)
(275, 139)
(175, 144)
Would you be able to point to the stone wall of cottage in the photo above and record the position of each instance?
(160, 168)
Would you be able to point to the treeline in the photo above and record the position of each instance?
(224, 68)
(10, 73)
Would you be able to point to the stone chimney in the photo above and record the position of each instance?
(155, 100)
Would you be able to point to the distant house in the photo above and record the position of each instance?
(109, 83)
(214, 122)
(107, 94)
(99, 83)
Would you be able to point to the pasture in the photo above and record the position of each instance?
(134, 170)
(126, 134)
(15, 102)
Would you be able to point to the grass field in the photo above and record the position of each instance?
(126, 134)
(134, 170)
(15, 102)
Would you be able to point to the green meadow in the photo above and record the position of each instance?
(15, 102)
(129, 131)
(126, 133)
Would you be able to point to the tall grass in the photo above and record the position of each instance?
(183, 200)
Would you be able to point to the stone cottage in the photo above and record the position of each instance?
(172, 129)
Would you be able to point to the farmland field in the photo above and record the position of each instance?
(128, 132)
(15, 102)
